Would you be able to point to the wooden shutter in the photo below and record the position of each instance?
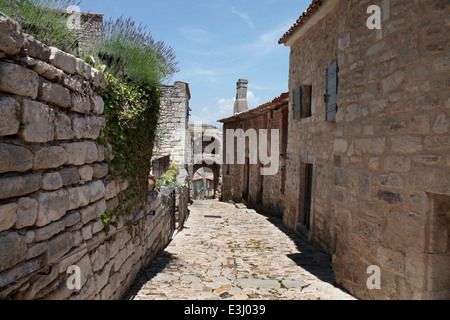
(297, 103)
(332, 85)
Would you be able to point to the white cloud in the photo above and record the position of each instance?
(243, 16)
(224, 108)
(197, 35)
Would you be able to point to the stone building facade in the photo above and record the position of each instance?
(244, 183)
(55, 184)
(368, 165)
(89, 32)
(173, 128)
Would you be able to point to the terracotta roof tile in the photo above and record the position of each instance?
(284, 98)
(313, 8)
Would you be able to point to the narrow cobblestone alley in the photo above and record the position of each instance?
(229, 254)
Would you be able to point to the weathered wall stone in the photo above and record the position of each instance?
(38, 121)
(18, 80)
(11, 38)
(15, 158)
(9, 121)
(49, 158)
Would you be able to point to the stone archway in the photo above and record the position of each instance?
(216, 169)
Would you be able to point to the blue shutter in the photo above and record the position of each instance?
(332, 86)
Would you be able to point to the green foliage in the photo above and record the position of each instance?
(169, 179)
(131, 113)
(130, 52)
(46, 20)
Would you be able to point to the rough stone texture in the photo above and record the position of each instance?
(49, 158)
(79, 197)
(27, 210)
(18, 80)
(36, 49)
(54, 94)
(97, 191)
(69, 176)
(11, 38)
(17, 186)
(13, 249)
(98, 105)
(47, 71)
(86, 173)
(80, 103)
(52, 181)
(9, 121)
(8, 216)
(63, 61)
(173, 123)
(52, 206)
(76, 153)
(15, 158)
(63, 127)
(38, 121)
(381, 164)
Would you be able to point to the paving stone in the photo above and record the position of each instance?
(237, 257)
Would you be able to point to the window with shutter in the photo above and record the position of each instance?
(297, 103)
(332, 86)
(302, 102)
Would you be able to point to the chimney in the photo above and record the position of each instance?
(241, 104)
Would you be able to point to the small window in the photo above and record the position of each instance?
(303, 102)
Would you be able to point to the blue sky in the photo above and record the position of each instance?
(216, 43)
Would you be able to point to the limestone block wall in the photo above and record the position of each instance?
(309, 139)
(381, 192)
(90, 30)
(392, 150)
(264, 192)
(54, 181)
(173, 135)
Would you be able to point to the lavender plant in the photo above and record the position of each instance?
(129, 51)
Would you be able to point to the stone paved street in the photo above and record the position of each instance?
(229, 254)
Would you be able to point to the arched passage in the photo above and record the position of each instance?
(215, 169)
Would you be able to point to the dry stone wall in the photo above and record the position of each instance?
(54, 182)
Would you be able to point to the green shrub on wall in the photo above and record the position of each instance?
(169, 178)
(131, 113)
(130, 52)
(46, 20)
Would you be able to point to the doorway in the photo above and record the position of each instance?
(305, 199)
(246, 180)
